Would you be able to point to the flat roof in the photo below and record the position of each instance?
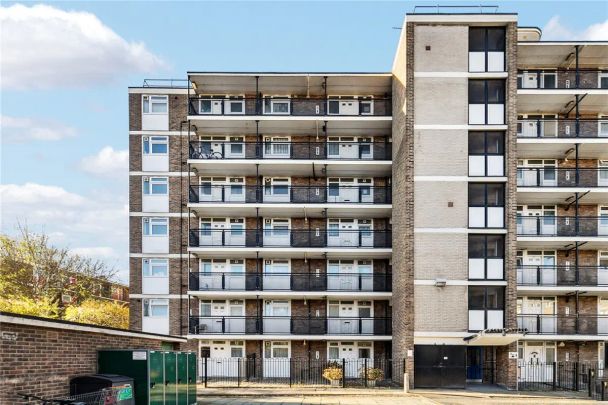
(321, 74)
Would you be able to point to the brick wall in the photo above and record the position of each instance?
(44, 355)
(578, 351)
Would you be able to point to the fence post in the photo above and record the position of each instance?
(238, 372)
(205, 375)
(575, 371)
(554, 376)
(604, 390)
(343, 372)
(290, 369)
(365, 365)
(589, 377)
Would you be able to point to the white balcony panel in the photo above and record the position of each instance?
(496, 61)
(495, 269)
(155, 285)
(495, 319)
(477, 217)
(477, 61)
(154, 163)
(602, 325)
(496, 114)
(476, 268)
(477, 165)
(476, 319)
(155, 122)
(280, 326)
(496, 166)
(155, 244)
(155, 203)
(155, 325)
(277, 281)
(477, 113)
(496, 217)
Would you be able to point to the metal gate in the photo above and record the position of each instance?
(439, 366)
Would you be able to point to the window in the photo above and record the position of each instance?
(156, 226)
(279, 105)
(486, 205)
(235, 105)
(155, 185)
(603, 80)
(486, 49)
(158, 308)
(486, 153)
(366, 107)
(155, 267)
(155, 104)
(486, 101)
(155, 145)
(481, 298)
(486, 257)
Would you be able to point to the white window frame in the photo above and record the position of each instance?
(154, 140)
(148, 263)
(601, 75)
(150, 101)
(147, 229)
(271, 263)
(277, 100)
(229, 100)
(603, 119)
(271, 182)
(150, 302)
(151, 182)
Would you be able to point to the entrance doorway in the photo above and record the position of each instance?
(439, 366)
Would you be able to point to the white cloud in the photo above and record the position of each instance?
(95, 226)
(555, 30)
(107, 163)
(44, 47)
(21, 129)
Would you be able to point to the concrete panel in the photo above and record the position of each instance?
(440, 152)
(449, 48)
(441, 255)
(440, 309)
(441, 101)
(432, 200)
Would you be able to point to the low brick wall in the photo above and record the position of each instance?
(39, 356)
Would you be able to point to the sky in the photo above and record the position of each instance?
(65, 68)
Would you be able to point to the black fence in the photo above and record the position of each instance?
(561, 324)
(563, 376)
(236, 372)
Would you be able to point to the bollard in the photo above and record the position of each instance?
(406, 383)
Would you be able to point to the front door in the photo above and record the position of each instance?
(602, 270)
(537, 362)
(341, 275)
(474, 364)
(277, 318)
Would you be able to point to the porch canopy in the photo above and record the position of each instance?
(495, 337)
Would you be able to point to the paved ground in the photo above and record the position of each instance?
(325, 396)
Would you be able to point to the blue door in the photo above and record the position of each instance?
(474, 363)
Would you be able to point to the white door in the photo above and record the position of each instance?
(602, 270)
(234, 278)
(277, 318)
(342, 318)
(277, 359)
(235, 236)
(277, 275)
(342, 190)
(365, 235)
(277, 232)
(602, 175)
(225, 359)
(211, 232)
(529, 126)
(208, 190)
(341, 276)
(342, 232)
(277, 190)
(537, 362)
(211, 273)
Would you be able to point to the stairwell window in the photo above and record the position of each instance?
(486, 307)
(487, 49)
(486, 257)
(486, 205)
(487, 102)
(157, 308)
(486, 153)
(155, 267)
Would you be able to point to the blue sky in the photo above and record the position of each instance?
(65, 75)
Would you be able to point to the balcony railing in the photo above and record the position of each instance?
(239, 281)
(333, 194)
(575, 324)
(285, 238)
(331, 150)
(553, 275)
(562, 226)
(562, 177)
(290, 325)
(312, 106)
(562, 79)
(562, 128)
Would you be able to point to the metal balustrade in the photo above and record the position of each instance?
(240, 281)
(562, 177)
(332, 194)
(562, 79)
(547, 275)
(285, 238)
(562, 226)
(562, 128)
(290, 106)
(303, 150)
(559, 324)
(290, 325)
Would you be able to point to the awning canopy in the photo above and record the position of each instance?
(495, 337)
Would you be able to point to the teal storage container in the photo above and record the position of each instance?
(160, 377)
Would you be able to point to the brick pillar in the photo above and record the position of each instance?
(506, 368)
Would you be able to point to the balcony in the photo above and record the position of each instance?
(562, 177)
(562, 79)
(290, 238)
(340, 282)
(566, 276)
(562, 128)
(331, 150)
(333, 194)
(290, 325)
(552, 324)
(286, 106)
(562, 226)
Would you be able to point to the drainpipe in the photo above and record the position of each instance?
(577, 81)
(257, 96)
(577, 172)
(576, 271)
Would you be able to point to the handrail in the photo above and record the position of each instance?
(549, 176)
(575, 79)
(562, 324)
(559, 127)
(560, 225)
(561, 275)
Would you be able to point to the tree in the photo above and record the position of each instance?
(99, 312)
(28, 306)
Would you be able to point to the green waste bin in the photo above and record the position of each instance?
(160, 377)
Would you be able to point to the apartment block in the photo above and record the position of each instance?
(450, 215)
